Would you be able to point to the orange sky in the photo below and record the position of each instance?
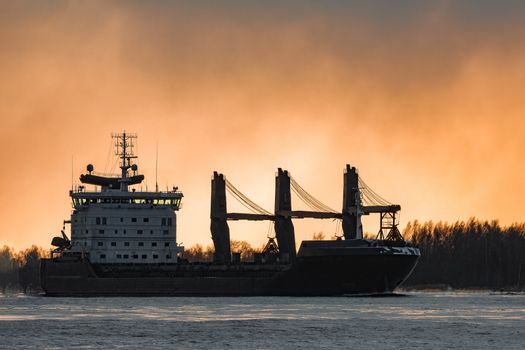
(426, 100)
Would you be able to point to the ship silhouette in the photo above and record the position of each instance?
(124, 242)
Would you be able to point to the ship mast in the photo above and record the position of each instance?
(124, 150)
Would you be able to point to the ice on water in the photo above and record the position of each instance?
(417, 320)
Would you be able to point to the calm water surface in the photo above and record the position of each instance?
(449, 320)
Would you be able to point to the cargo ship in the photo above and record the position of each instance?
(123, 242)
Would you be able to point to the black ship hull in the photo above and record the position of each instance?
(322, 268)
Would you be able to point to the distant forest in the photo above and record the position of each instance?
(472, 254)
(20, 271)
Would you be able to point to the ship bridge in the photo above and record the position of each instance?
(82, 198)
(114, 189)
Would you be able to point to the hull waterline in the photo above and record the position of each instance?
(354, 271)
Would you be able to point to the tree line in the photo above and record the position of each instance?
(468, 254)
(20, 270)
(471, 254)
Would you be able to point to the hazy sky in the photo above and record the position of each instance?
(426, 98)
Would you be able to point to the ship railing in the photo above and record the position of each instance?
(97, 189)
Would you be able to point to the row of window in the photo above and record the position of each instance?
(126, 244)
(135, 256)
(86, 201)
(104, 221)
(138, 232)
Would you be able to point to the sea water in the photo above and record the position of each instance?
(424, 320)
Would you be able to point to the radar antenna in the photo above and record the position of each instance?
(124, 150)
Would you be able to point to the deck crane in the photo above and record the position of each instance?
(358, 199)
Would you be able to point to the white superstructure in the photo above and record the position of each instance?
(116, 225)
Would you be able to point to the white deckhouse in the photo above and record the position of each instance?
(119, 225)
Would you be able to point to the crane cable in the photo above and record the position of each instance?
(370, 196)
(308, 199)
(245, 201)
